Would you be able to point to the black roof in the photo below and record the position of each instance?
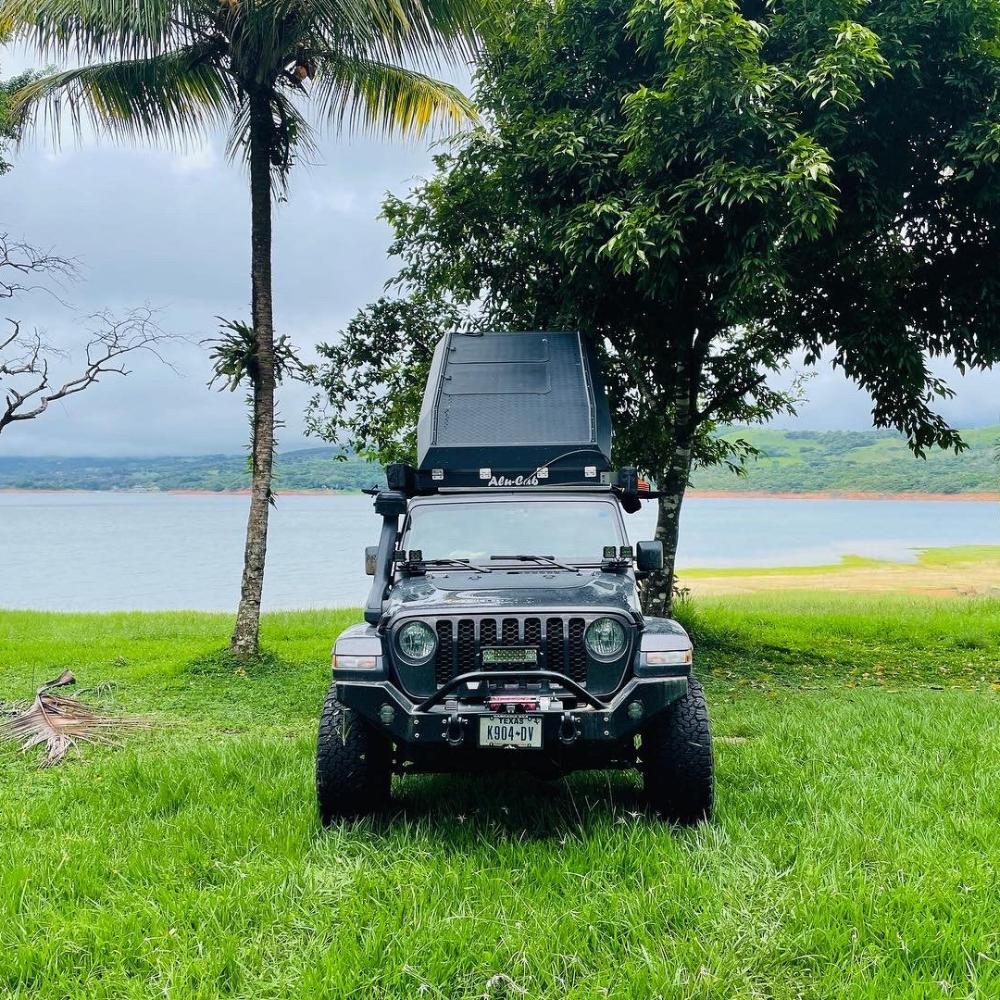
(515, 405)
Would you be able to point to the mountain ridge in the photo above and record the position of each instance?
(844, 462)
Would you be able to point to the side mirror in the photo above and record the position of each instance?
(371, 554)
(649, 557)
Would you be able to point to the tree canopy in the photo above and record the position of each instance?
(169, 70)
(707, 187)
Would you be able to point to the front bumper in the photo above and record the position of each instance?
(452, 721)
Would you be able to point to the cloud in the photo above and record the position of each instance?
(172, 230)
(195, 162)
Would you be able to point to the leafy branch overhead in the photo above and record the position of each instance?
(171, 70)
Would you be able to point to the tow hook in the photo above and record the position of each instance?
(454, 729)
(569, 728)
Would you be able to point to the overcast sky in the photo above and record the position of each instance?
(171, 230)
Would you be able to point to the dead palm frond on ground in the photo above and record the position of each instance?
(58, 723)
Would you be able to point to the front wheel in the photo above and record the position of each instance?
(353, 764)
(678, 768)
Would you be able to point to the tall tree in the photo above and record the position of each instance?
(173, 69)
(707, 186)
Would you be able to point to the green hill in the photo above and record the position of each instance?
(861, 461)
(312, 468)
(790, 462)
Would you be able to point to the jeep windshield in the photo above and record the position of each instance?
(571, 531)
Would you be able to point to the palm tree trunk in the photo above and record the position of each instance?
(246, 633)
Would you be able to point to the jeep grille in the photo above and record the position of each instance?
(558, 639)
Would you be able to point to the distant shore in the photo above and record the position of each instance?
(972, 497)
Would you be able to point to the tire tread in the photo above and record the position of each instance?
(353, 764)
(678, 763)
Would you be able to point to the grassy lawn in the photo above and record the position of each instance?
(853, 853)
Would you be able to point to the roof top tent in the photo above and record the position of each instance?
(509, 410)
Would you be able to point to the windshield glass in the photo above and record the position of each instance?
(571, 530)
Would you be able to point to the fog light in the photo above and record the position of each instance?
(635, 710)
(387, 714)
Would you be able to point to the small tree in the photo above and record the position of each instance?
(29, 362)
(172, 69)
(706, 187)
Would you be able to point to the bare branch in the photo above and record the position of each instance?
(113, 339)
(20, 262)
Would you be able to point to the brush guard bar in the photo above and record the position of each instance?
(532, 676)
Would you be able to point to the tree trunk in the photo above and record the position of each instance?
(658, 589)
(246, 633)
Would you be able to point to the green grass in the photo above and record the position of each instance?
(958, 554)
(852, 855)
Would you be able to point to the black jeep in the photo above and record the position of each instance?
(503, 629)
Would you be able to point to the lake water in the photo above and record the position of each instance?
(108, 551)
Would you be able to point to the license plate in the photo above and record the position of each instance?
(494, 655)
(510, 731)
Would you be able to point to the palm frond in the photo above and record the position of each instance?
(423, 34)
(172, 97)
(58, 723)
(432, 32)
(381, 97)
(87, 29)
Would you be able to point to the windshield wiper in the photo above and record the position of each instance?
(544, 560)
(463, 563)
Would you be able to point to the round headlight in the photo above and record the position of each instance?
(605, 638)
(417, 642)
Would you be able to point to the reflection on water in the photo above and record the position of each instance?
(105, 551)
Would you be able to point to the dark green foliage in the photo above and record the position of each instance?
(233, 355)
(708, 186)
(374, 375)
(10, 122)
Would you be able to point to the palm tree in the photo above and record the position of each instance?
(177, 69)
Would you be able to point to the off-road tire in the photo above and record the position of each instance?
(677, 764)
(353, 764)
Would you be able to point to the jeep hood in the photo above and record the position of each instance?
(523, 590)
